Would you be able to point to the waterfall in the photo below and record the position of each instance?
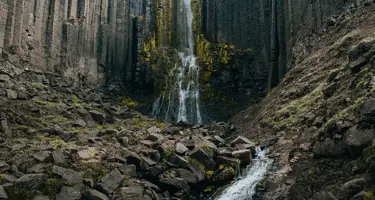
(180, 100)
(244, 187)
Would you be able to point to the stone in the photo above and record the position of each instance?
(11, 94)
(343, 125)
(41, 197)
(110, 182)
(79, 123)
(219, 139)
(176, 183)
(73, 178)
(358, 139)
(181, 148)
(97, 115)
(85, 154)
(156, 170)
(94, 195)
(42, 156)
(323, 195)
(360, 196)
(154, 130)
(148, 143)
(4, 167)
(187, 175)
(226, 175)
(198, 170)
(124, 141)
(132, 193)
(241, 140)
(352, 187)
(330, 89)
(243, 155)
(58, 157)
(177, 160)
(31, 181)
(356, 65)
(89, 182)
(148, 160)
(3, 194)
(234, 162)
(201, 156)
(4, 78)
(68, 193)
(329, 147)
(129, 170)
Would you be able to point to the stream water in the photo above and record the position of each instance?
(180, 100)
(244, 187)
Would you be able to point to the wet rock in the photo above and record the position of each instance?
(132, 193)
(94, 195)
(110, 182)
(97, 115)
(241, 140)
(68, 193)
(31, 181)
(351, 188)
(329, 147)
(42, 156)
(187, 175)
(181, 148)
(176, 183)
(3, 194)
(323, 196)
(243, 155)
(11, 94)
(41, 197)
(357, 139)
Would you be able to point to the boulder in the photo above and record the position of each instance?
(31, 181)
(148, 160)
(132, 193)
(329, 147)
(352, 187)
(79, 123)
(356, 65)
(3, 194)
(110, 182)
(226, 175)
(241, 140)
(129, 170)
(361, 196)
(177, 161)
(41, 197)
(330, 89)
(178, 183)
(68, 193)
(323, 196)
(73, 178)
(11, 94)
(187, 175)
(58, 156)
(181, 148)
(243, 155)
(86, 154)
(42, 156)
(94, 195)
(97, 115)
(201, 156)
(358, 139)
(234, 162)
(154, 131)
(4, 78)
(4, 167)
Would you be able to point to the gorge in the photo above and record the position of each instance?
(187, 99)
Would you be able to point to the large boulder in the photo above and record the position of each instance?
(178, 183)
(329, 147)
(110, 182)
(244, 156)
(357, 139)
(323, 195)
(94, 195)
(31, 181)
(68, 193)
(201, 156)
(352, 187)
(187, 175)
(3, 194)
(133, 193)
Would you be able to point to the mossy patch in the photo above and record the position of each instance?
(55, 142)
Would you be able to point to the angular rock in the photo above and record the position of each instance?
(97, 115)
(187, 175)
(352, 188)
(156, 170)
(148, 160)
(3, 194)
(124, 141)
(4, 78)
(241, 140)
(42, 156)
(244, 156)
(201, 156)
(73, 178)
(323, 196)
(41, 197)
(154, 130)
(330, 89)
(181, 148)
(31, 181)
(85, 154)
(79, 123)
(132, 193)
(94, 195)
(198, 170)
(148, 143)
(68, 193)
(176, 183)
(58, 156)
(228, 174)
(110, 182)
(177, 160)
(129, 170)
(329, 147)
(356, 66)
(357, 139)
(4, 167)
(234, 162)
(11, 94)
(219, 139)
(133, 158)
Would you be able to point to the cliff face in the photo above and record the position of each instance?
(241, 45)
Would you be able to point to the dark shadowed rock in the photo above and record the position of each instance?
(129, 170)
(41, 197)
(243, 155)
(94, 195)
(42, 156)
(68, 193)
(177, 160)
(330, 89)
(323, 196)
(361, 196)
(4, 167)
(31, 181)
(352, 188)
(3, 194)
(356, 65)
(110, 182)
(187, 175)
(357, 139)
(178, 183)
(201, 156)
(97, 115)
(329, 147)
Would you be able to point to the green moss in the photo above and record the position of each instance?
(95, 171)
(368, 196)
(52, 186)
(48, 103)
(129, 102)
(54, 119)
(55, 142)
(39, 86)
(17, 193)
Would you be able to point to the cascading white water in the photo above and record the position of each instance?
(244, 187)
(180, 101)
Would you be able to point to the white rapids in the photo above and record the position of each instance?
(244, 187)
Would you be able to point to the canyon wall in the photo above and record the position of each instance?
(243, 47)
